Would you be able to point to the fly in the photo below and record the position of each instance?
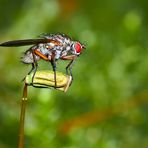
(51, 48)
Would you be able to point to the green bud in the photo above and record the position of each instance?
(45, 79)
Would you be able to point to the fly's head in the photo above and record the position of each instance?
(77, 48)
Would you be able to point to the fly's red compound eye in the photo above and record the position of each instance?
(77, 47)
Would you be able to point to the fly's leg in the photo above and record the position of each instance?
(34, 63)
(69, 68)
(34, 66)
(32, 69)
(53, 63)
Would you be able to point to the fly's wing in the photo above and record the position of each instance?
(27, 42)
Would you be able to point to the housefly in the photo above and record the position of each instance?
(51, 48)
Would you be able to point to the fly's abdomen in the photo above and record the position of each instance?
(27, 58)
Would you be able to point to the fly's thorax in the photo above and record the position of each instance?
(43, 48)
(58, 54)
(67, 41)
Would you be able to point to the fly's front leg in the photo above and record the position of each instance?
(69, 66)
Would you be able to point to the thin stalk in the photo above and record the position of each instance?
(22, 117)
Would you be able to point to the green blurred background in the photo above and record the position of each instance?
(106, 106)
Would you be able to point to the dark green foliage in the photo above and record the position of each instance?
(106, 106)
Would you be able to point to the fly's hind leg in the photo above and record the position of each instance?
(34, 67)
(30, 58)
